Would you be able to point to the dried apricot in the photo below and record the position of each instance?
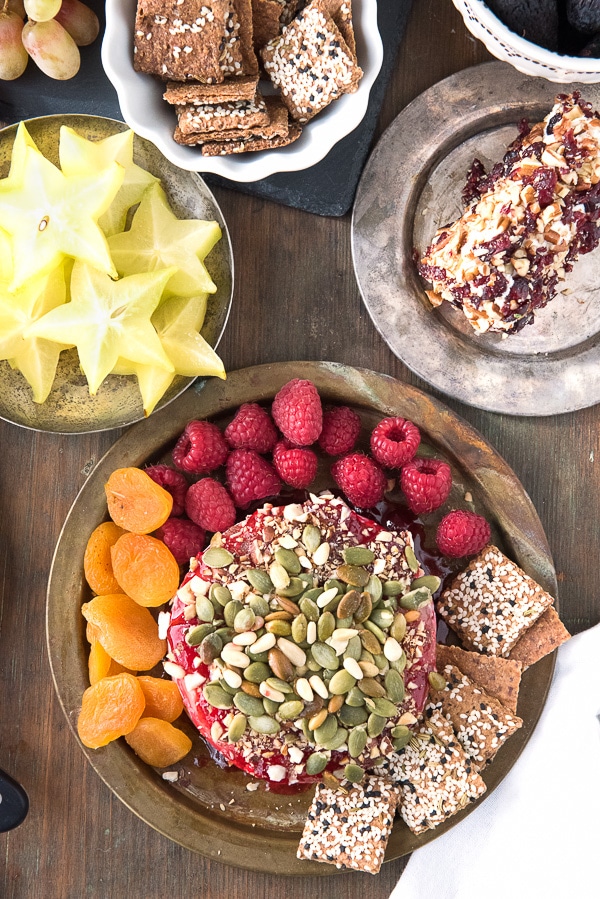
(145, 569)
(136, 502)
(163, 699)
(101, 665)
(158, 743)
(97, 565)
(91, 632)
(110, 708)
(126, 630)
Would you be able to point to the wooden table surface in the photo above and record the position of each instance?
(295, 298)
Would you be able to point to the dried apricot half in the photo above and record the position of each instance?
(158, 743)
(163, 699)
(136, 502)
(101, 665)
(145, 569)
(126, 630)
(110, 708)
(97, 565)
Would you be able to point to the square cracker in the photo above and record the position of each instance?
(310, 63)
(435, 777)
(193, 92)
(276, 127)
(350, 830)
(181, 39)
(210, 117)
(266, 21)
(543, 637)
(481, 723)
(241, 17)
(341, 13)
(251, 144)
(492, 603)
(499, 677)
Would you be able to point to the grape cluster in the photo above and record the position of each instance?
(48, 31)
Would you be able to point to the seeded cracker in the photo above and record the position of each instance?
(492, 603)
(277, 126)
(435, 777)
(251, 144)
(311, 63)
(268, 18)
(197, 94)
(350, 830)
(227, 116)
(546, 635)
(480, 722)
(341, 13)
(499, 677)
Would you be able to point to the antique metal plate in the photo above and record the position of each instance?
(411, 186)
(260, 830)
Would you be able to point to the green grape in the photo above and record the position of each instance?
(13, 56)
(41, 10)
(79, 20)
(52, 49)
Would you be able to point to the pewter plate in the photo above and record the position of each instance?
(209, 810)
(69, 408)
(411, 186)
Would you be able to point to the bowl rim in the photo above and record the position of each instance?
(497, 30)
(319, 137)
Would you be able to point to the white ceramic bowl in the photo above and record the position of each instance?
(526, 57)
(144, 110)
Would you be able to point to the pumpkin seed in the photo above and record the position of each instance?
(280, 685)
(358, 555)
(400, 664)
(263, 724)
(244, 620)
(260, 580)
(341, 682)
(326, 731)
(220, 593)
(333, 603)
(369, 669)
(216, 696)
(398, 628)
(205, 609)
(353, 649)
(384, 707)
(217, 557)
(307, 733)
(299, 628)
(259, 606)
(231, 610)
(353, 574)
(237, 728)
(394, 685)
(400, 743)
(308, 606)
(196, 634)
(413, 562)
(431, 581)
(348, 604)
(249, 705)
(288, 559)
(376, 631)
(381, 663)
(374, 588)
(257, 672)
(290, 709)
(364, 608)
(210, 648)
(279, 628)
(415, 598)
(339, 738)
(437, 681)
(375, 724)
(226, 634)
(226, 686)
(357, 741)
(316, 763)
(324, 655)
(354, 773)
(355, 697)
(371, 687)
(251, 689)
(311, 537)
(370, 642)
(281, 665)
(334, 582)
(325, 626)
(271, 706)
(382, 617)
(295, 587)
(401, 735)
(353, 716)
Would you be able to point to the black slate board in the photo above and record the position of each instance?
(327, 188)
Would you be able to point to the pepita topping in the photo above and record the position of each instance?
(310, 641)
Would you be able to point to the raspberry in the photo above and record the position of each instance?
(361, 479)
(251, 428)
(209, 504)
(394, 442)
(297, 412)
(426, 484)
(296, 466)
(174, 482)
(341, 427)
(184, 538)
(250, 477)
(462, 533)
(201, 448)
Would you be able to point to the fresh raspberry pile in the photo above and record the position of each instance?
(462, 533)
(172, 481)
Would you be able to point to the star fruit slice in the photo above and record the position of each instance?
(35, 357)
(23, 139)
(80, 156)
(49, 216)
(157, 238)
(108, 319)
(177, 321)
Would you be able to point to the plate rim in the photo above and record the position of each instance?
(385, 270)
(219, 840)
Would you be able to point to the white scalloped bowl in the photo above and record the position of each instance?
(144, 110)
(526, 57)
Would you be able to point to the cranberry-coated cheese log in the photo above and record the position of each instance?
(525, 223)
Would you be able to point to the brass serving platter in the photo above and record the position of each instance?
(260, 830)
(69, 408)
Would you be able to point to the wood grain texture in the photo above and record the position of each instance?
(296, 297)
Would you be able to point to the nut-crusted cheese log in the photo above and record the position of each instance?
(526, 222)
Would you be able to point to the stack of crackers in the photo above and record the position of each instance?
(506, 622)
(210, 52)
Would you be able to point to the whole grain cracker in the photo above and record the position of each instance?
(277, 126)
(195, 93)
(499, 677)
(210, 117)
(543, 637)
